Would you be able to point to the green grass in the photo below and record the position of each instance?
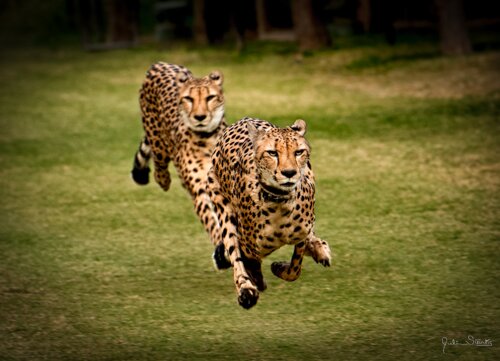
(406, 154)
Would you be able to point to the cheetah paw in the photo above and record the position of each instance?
(248, 296)
(319, 250)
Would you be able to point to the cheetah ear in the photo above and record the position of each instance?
(182, 77)
(253, 132)
(217, 77)
(299, 126)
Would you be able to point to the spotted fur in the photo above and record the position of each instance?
(262, 188)
(182, 118)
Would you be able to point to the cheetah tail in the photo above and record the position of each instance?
(140, 172)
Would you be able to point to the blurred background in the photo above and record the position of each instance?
(459, 26)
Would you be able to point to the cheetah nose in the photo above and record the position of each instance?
(289, 173)
(200, 117)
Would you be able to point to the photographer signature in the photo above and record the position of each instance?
(471, 341)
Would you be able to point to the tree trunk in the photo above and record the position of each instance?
(123, 21)
(363, 13)
(199, 24)
(453, 33)
(262, 23)
(85, 21)
(310, 31)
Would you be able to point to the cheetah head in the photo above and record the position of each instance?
(281, 155)
(201, 101)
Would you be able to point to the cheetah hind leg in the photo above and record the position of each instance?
(220, 258)
(319, 250)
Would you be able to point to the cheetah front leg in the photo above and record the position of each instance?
(205, 210)
(162, 175)
(290, 271)
(247, 290)
(227, 248)
(161, 159)
(154, 128)
(207, 213)
(319, 250)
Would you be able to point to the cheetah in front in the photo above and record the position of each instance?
(262, 188)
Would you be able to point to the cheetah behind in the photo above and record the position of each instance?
(182, 118)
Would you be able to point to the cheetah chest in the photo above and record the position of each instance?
(276, 225)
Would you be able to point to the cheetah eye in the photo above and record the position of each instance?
(188, 99)
(299, 152)
(210, 97)
(272, 153)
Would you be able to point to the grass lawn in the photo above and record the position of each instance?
(406, 149)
